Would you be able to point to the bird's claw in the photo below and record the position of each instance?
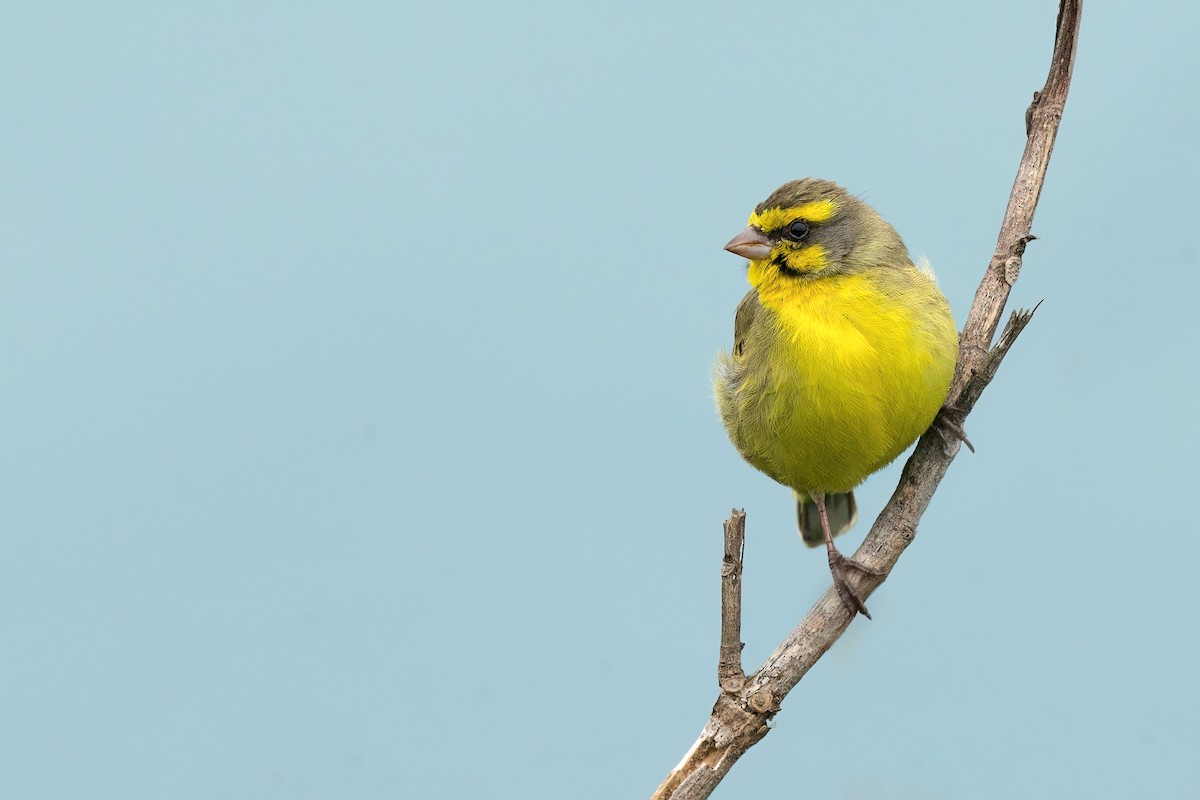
(839, 565)
(949, 428)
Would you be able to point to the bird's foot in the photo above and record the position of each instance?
(948, 424)
(841, 566)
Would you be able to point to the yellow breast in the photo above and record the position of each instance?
(832, 378)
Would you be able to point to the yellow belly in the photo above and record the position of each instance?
(833, 381)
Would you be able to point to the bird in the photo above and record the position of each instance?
(843, 354)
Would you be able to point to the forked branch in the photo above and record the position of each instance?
(747, 703)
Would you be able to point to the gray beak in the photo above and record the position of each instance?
(751, 244)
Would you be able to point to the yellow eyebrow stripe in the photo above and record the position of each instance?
(775, 218)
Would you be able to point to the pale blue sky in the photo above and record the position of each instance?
(357, 430)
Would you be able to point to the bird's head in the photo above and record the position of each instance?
(812, 228)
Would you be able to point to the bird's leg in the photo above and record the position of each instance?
(947, 425)
(839, 565)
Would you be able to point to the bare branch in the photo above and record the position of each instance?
(746, 703)
(1041, 126)
(730, 676)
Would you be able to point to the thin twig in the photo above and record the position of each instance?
(730, 676)
(739, 718)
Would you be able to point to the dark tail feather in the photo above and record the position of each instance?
(840, 508)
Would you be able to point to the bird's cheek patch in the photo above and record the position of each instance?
(784, 264)
(806, 260)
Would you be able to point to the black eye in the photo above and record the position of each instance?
(797, 230)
